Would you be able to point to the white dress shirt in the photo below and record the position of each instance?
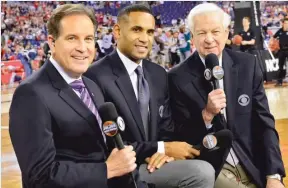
(64, 75)
(131, 67)
(232, 154)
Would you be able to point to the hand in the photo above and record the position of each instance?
(216, 101)
(121, 162)
(157, 161)
(180, 150)
(273, 183)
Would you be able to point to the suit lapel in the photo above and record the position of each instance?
(70, 97)
(230, 85)
(153, 111)
(196, 69)
(125, 86)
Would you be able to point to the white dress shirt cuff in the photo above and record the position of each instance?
(208, 126)
(161, 147)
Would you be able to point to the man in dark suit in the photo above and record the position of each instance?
(139, 90)
(54, 121)
(254, 159)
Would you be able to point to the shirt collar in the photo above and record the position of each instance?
(61, 71)
(203, 60)
(128, 63)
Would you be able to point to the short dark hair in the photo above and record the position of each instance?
(59, 13)
(247, 18)
(124, 12)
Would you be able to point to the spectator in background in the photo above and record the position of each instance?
(173, 48)
(158, 22)
(248, 36)
(184, 42)
(229, 40)
(282, 36)
(108, 42)
(99, 48)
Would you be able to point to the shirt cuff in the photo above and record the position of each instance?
(161, 147)
(208, 126)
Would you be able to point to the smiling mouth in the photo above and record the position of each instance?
(141, 46)
(79, 58)
(208, 48)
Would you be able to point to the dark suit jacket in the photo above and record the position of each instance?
(112, 77)
(57, 139)
(256, 141)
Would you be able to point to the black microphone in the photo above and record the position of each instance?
(111, 123)
(220, 139)
(213, 71)
(216, 73)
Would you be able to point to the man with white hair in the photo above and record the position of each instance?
(255, 158)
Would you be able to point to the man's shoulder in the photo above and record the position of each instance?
(36, 83)
(101, 63)
(36, 78)
(241, 58)
(181, 68)
(153, 67)
(99, 68)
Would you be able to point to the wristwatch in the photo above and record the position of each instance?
(274, 176)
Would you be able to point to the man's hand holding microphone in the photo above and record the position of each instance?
(121, 162)
(216, 102)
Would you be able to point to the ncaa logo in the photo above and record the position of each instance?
(110, 128)
(243, 100)
(218, 72)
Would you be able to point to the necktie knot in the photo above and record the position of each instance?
(78, 85)
(139, 71)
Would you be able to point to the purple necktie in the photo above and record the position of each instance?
(79, 86)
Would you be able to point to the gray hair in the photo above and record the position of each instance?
(207, 8)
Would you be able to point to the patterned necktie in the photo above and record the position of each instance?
(79, 86)
(143, 98)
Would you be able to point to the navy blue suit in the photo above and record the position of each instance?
(256, 141)
(112, 77)
(57, 139)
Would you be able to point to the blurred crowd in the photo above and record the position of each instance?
(272, 14)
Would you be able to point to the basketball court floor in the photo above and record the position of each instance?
(11, 175)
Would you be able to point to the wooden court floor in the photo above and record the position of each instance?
(278, 101)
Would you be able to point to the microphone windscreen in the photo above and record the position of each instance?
(224, 138)
(211, 60)
(108, 112)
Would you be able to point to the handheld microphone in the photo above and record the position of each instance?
(213, 71)
(216, 73)
(220, 139)
(111, 123)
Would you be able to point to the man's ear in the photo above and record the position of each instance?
(116, 31)
(51, 43)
